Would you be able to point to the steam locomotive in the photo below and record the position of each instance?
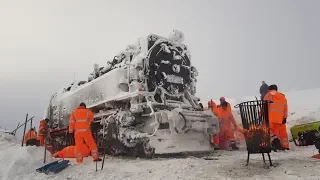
(143, 102)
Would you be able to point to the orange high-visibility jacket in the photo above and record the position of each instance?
(43, 128)
(70, 152)
(278, 108)
(228, 107)
(212, 105)
(227, 121)
(30, 135)
(80, 120)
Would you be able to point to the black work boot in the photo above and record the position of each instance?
(234, 146)
(98, 159)
(276, 145)
(216, 147)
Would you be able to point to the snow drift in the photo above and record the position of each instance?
(17, 161)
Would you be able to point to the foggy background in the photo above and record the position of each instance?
(234, 44)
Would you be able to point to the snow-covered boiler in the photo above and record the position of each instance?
(143, 100)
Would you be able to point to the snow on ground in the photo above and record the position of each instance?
(18, 162)
(295, 164)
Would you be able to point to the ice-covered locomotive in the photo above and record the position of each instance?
(143, 101)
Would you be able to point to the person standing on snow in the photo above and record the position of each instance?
(278, 113)
(79, 125)
(227, 126)
(264, 88)
(215, 108)
(43, 131)
(222, 99)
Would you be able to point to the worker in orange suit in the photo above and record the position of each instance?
(222, 99)
(213, 107)
(70, 152)
(43, 130)
(227, 127)
(278, 113)
(79, 125)
(216, 108)
(31, 134)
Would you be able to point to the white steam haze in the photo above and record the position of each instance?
(234, 44)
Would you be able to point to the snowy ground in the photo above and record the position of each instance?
(18, 162)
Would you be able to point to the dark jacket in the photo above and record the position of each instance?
(264, 90)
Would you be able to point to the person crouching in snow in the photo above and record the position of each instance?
(227, 126)
(70, 152)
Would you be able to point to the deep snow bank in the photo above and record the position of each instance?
(17, 161)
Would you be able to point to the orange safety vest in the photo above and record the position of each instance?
(80, 120)
(278, 108)
(43, 128)
(30, 135)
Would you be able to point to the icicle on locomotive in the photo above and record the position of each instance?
(144, 101)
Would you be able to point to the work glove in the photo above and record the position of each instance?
(284, 120)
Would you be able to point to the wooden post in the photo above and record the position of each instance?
(30, 128)
(45, 150)
(14, 132)
(24, 131)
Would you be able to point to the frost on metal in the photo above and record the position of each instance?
(148, 90)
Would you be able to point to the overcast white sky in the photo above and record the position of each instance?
(234, 44)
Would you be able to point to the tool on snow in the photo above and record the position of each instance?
(45, 167)
(54, 167)
(58, 167)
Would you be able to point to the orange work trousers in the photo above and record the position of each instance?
(85, 136)
(41, 139)
(215, 140)
(226, 136)
(280, 130)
